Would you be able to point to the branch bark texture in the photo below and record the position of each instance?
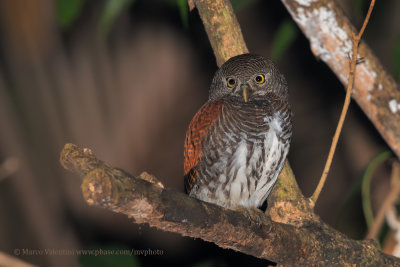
(330, 33)
(312, 244)
(222, 28)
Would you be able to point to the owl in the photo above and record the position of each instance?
(237, 143)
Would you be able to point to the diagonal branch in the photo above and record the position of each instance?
(222, 28)
(330, 33)
(312, 244)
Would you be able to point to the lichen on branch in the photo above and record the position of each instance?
(330, 33)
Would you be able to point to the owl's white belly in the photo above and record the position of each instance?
(246, 182)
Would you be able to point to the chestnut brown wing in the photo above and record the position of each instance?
(199, 129)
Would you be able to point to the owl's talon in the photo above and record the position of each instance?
(270, 228)
(260, 223)
(254, 215)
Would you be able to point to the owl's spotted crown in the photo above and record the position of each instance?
(253, 73)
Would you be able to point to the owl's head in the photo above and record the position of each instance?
(247, 77)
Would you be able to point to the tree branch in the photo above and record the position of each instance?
(312, 244)
(330, 33)
(222, 28)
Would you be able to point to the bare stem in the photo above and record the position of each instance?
(388, 203)
(356, 40)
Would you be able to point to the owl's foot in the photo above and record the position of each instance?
(254, 215)
(151, 179)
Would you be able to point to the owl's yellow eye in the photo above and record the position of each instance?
(259, 78)
(230, 82)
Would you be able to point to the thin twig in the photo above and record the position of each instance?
(388, 203)
(353, 63)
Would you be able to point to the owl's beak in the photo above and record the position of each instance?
(245, 91)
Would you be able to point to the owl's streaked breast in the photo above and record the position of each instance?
(243, 155)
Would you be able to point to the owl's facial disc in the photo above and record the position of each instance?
(258, 75)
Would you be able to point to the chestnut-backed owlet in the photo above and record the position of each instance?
(237, 142)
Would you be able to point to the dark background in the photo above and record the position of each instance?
(127, 86)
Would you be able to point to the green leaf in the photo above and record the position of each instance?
(68, 11)
(396, 59)
(284, 37)
(184, 12)
(366, 185)
(111, 10)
